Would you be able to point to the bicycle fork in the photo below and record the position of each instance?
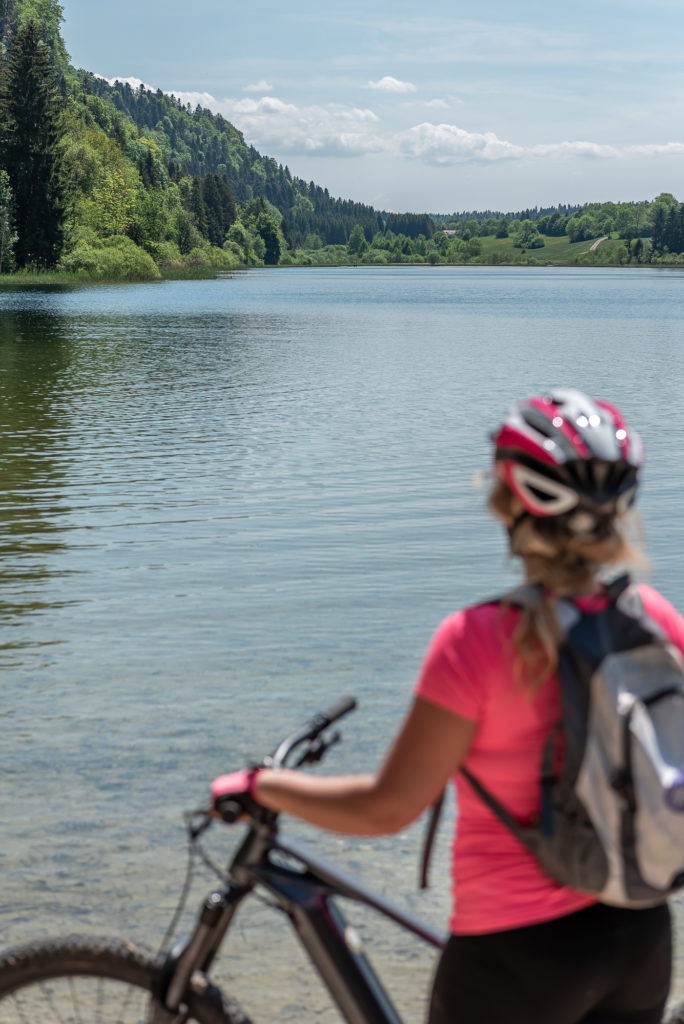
(195, 954)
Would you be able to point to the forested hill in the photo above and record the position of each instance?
(199, 142)
(104, 181)
(107, 180)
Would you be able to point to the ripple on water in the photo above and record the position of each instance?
(226, 503)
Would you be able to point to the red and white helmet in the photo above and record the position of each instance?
(563, 451)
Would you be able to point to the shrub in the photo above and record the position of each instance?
(114, 259)
(165, 254)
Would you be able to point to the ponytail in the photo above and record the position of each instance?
(559, 563)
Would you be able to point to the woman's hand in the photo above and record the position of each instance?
(232, 795)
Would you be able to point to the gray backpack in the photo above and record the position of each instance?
(612, 816)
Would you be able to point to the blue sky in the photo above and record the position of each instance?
(435, 106)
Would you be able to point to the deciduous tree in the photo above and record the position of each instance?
(357, 243)
(115, 199)
(267, 228)
(8, 235)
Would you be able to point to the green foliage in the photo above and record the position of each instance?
(33, 128)
(197, 143)
(245, 244)
(269, 230)
(554, 224)
(117, 258)
(113, 201)
(357, 243)
(667, 228)
(579, 229)
(125, 181)
(8, 235)
(48, 15)
(329, 256)
(527, 236)
(9, 23)
(186, 234)
(410, 224)
(212, 205)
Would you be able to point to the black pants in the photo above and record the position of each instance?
(601, 965)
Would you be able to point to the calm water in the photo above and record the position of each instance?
(226, 503)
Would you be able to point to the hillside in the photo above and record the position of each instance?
(199, 142)
(132, 164)
(105, 181)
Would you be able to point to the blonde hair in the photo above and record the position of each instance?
(559, 563)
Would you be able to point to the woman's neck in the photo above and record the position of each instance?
(582, 588)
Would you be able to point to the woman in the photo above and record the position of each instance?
(523, 949)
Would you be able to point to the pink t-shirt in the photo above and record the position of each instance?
(468, 670)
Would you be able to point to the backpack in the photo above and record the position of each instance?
(612, 813)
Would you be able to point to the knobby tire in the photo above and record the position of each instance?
(88, 980)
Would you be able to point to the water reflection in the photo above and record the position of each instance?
(34, 356)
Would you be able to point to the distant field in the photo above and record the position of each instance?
(556, 249)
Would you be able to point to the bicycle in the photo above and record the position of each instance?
(111, 981)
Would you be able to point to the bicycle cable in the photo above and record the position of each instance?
(194, 850)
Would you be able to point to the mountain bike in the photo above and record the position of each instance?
(83, 980)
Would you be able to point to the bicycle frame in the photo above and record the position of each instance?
(304, 886)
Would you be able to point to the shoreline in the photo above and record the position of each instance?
(48, 278)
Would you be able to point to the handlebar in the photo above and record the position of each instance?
(310, 734)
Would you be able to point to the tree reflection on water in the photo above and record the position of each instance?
(34, 358)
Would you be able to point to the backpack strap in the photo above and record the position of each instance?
(429, 839)
(616, 587)
(493, 804)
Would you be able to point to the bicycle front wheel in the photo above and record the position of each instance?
(84, 980)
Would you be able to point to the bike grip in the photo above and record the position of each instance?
(229, 809)
(338, 710)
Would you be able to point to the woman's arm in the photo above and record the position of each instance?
(429, 748)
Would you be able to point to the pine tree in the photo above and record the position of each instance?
(228, 206)
(216, 233)
(197, 208)
(659, 228)
(31, 150)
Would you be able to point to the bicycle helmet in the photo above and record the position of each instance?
(564, 452)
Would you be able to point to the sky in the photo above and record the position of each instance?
(437, 106)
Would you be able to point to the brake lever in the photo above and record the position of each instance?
(315, 751)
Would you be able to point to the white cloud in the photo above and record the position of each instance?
(278, 128)
(284, 128)
(657, 149)
(444, 144)
(584, 149)
(389, 84)
(195, 99)
(261, 86)
(134, 83)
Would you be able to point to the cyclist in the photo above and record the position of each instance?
(523, 949)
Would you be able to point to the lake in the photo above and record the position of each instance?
(227, 503)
